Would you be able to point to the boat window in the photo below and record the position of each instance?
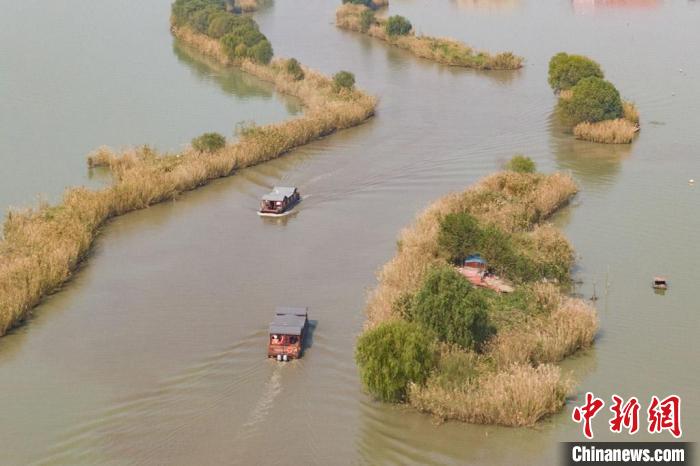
(293, 340)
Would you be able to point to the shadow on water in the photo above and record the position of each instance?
(309, 338)
(231, 80)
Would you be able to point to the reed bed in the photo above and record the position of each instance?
(42, 246)
(618, 131)
(517, 383)
(247, 6)
(442, 50)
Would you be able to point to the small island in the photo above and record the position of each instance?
(41, 247)
(588, 103)
(359, 16)
(479, 353)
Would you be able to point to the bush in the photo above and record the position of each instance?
(397, 26)
(367, 3)
(222, 24)
(209, 142)
(261, 52)
(294, 69)
(592, 99)
(393, 355)
(343, 80)
(452, 308)
(521, 164)
(565, 71)
(366, 20)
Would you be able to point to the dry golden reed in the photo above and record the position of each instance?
(442, 50)
(517, 384)
(519, 395)
(42, 246)
(618, 131)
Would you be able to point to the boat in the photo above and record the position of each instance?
(279, 202)
(475, 269)
(659, 283)
(287, 332)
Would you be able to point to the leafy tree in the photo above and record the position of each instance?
(209, 142)
(343, 80)
(565, 71)
(592, 99)
(261, 52)
(397, 26)
(294, 69)
(521, 164)
(452, 308)
(367, 3)
(366, 20)
(393, 355)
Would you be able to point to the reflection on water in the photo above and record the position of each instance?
(231, 80)
(594, 165)
(591, 6)
(498, 5)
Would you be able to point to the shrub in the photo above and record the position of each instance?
(565, 71)
(261, 52)
(461, 235)
(452, 308)
(294, 69)
(366, 20)
(397, 26)
(393, 355)
(209, 142)
(592, 99)
(343, 80)
(521, 164)
(221, 24)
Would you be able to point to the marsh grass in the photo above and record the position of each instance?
(512, 381)
(42, 246)
(442, 50)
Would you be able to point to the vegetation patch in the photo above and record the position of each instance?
(496, 353)
(398, 31)
(42, 246)
(588, 103)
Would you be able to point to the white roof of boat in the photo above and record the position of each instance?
(278, 193)
(289, 320)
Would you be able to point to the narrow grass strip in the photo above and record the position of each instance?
(439, 49)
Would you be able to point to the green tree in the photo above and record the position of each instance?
(294, 69)
(393, 355)
(343, 80)
(366, 20)
(261, 52)
(367, 3)
(521, 164)
(592, 99)
(565, 71)
(452, 308)
(209, 142)
(397, 26)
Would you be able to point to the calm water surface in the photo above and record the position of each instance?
(154, 353)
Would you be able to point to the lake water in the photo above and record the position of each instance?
(154, 352)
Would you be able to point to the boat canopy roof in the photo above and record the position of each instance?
(475, 258)
(289, 320)
(278, 193)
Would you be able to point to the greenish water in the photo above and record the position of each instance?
(154, 353)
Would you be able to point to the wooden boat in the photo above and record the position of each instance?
(287, 332)
(475, 269)
(659, 283)
(279, 202)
